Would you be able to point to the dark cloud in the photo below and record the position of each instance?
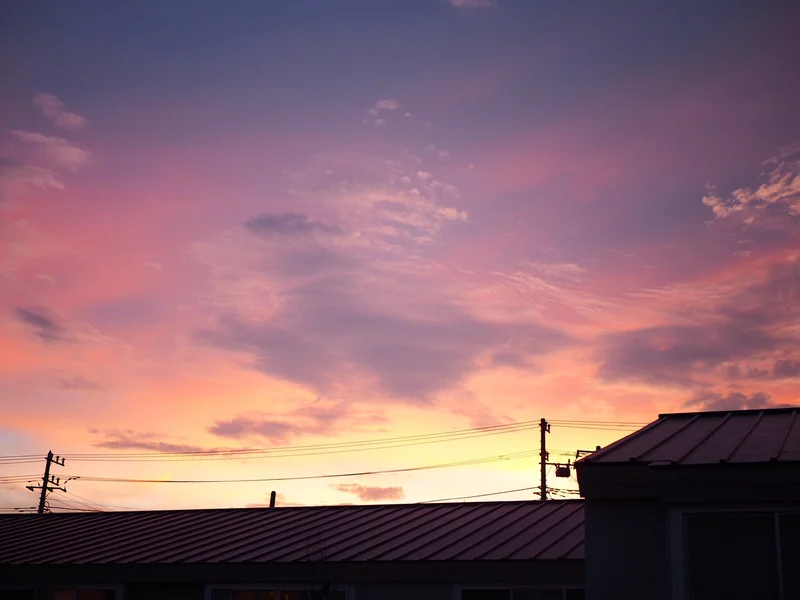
(44, 323)
(79, 383)
(289, 224)
(274, 431)
(317, 418)
(759, 321)
(708, 400)
(126, 439)
(363, 308)
(317, 338)
(125, 311)
(786, 369)
(781, 369)
(369, 493)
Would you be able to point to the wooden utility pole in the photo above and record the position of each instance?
(49, 482)
(544, 428)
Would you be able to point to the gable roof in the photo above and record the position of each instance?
(706, 438)
(484, 531)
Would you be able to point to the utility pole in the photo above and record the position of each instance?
(49, 482)
(544, 428)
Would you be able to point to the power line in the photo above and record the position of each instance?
(307, 450)
(525, 489)
(475, 461)
(99, 505)
(76, 504)
(329, 448)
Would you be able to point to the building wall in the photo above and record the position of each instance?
(627, 550)
(404, 591)
(164, 591)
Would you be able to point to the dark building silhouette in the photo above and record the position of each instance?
(696, 506)
(479, 550)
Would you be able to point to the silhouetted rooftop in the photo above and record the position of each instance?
(706, 438)
(484, 531)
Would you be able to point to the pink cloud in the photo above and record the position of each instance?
(370, 493)
(57, 150)
(779, 193)
(53, 109)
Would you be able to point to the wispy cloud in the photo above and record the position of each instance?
(709, 400)
(57, 150)
(317, 418)
(381, 106)
(371, 493)
(290, 224)
(53, 109)
(127, 439)
(389, 104)
(780, 192)
(16, 178)
(366, 309)
(77, 382)
(44, 323)
(758, 322)
(472, 3)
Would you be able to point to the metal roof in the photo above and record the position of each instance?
(486, 531)
(706, 438)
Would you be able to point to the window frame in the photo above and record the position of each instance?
(348, 588)
(678, 538)
(458, 588)
(39, 590)
(118, 589)
(21, 588)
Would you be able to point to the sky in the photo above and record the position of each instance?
(292, 224)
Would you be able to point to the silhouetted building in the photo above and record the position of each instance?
(696, 506)
(474, 551)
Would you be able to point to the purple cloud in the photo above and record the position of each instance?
(289, 224)
(77, 382)
(756, 322)
(127, 439)
(708, 400)
(317, 418)
(43, 322)
(410, 358)
(53, 109)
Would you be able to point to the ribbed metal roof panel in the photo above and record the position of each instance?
(737, 437)
(401, 532)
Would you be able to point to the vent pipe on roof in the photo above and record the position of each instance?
(272, 499)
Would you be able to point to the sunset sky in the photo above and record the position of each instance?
(285, 223)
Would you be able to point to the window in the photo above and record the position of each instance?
(477, 594)
(789, 532)
(276, 594)
(732, 556)
(533, 594)
(522, 594)
(78, 594)
(17, 594)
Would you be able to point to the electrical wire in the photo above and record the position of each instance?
(75, 504)
(307, 450)
(99, 505)
(525, 489)
(475, 461)
(329, 448)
